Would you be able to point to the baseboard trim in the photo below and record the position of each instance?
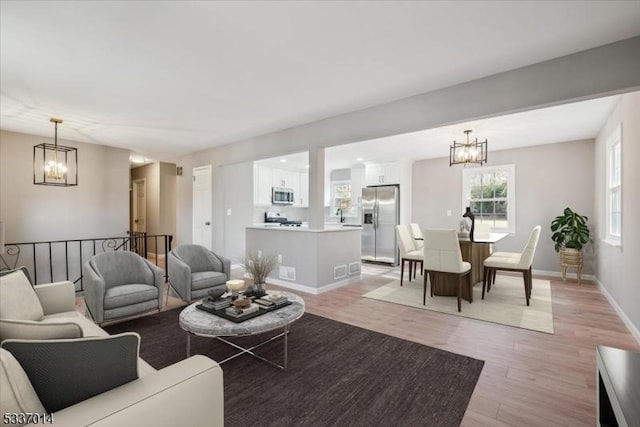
(559, 274)
(310, 289)
(625, 319)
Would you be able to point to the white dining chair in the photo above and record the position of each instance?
(418, 238)
(408, 252)
(513, 261)
(442, 256)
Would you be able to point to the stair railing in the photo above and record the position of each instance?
(58, 260)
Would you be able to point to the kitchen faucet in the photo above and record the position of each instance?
(339, 211)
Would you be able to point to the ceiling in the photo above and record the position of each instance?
(568, 122)
(168, 78)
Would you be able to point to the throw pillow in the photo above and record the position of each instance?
(30, 330)
(65, 372)
(18, 300)
(17, 394)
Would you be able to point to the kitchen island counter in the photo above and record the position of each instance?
(310, 260)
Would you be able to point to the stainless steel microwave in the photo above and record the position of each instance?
(281, 196)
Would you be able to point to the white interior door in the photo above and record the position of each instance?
(202, 230)
(140, 205)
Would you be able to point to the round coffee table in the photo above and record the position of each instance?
(198, 322)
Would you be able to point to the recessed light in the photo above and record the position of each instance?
(359, 159)
(283, 160)
(307, 166)
(137, 159)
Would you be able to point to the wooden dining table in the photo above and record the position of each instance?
(474, 252)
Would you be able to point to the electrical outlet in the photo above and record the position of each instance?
(229, 212)
(279, 258)
(449, 212)
(259, 253)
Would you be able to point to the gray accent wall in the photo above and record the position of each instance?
(97, 207)
(617, 269)
(548, 179)
(314, 255)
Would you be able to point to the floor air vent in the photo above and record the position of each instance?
(287, 273)
(339, 271)
(354, 268)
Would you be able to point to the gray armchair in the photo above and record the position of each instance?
(119, 284)
(194, 270)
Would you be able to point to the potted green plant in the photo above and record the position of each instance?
(259, 267)
(570, 233)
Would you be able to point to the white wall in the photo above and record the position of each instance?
(97, 207)
(237, 184)
(616, 268)
(548, 179)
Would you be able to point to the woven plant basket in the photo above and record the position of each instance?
(571, 258)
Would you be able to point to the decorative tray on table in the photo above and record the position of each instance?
(258, 307)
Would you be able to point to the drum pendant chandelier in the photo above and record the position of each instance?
(55, 164)
(471, 152)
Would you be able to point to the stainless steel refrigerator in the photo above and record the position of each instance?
(380, 215)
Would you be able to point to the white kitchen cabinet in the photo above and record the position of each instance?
(382, 173)
(373, 174)
(284, 178)
(295, 186)
(357, 183)
(265, 178)
(302, 196)
(262, 184)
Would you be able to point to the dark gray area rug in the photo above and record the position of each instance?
(338, 375)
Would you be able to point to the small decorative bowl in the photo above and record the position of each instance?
(242, 303)
(235, 285)
(216, 293)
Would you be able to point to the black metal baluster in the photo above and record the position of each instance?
(81, 272)
(167, 248)
(35, 267)
(66, 257)
(50, 264)
(155, 238)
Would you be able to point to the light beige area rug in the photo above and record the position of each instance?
(505, 304)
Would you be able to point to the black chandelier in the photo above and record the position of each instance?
(55, 164)
(471, 152)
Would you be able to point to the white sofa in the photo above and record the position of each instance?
(189, 392)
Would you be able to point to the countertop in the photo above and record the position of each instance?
(329, 227)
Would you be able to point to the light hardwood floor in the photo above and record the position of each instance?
(529, 378)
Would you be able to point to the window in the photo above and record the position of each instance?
(490, 192)
(341, 198)
(614, 187)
